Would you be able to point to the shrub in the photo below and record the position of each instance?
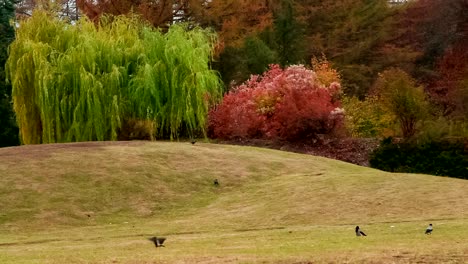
(442, 157)
(137, 129)
(368, 118)
(399, 93)
(326, 74)
(236, 117)
(280, 104)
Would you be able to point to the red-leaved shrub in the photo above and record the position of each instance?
(289, 104)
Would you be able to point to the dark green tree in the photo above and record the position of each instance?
(236, 64)
(288, 35)
(8, 127)
(258, 55)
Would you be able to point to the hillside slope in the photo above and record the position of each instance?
(45, 186)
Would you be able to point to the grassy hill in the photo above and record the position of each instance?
(97, 202)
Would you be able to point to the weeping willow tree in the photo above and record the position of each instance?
(80, 82)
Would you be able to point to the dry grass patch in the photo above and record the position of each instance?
(97, 203)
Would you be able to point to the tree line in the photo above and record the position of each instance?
(410, 58)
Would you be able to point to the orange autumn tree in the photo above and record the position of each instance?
(450, 89)
(234, 20)
(158, 13)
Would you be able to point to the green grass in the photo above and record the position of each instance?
(270, 207)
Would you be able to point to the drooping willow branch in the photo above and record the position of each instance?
(79, 82)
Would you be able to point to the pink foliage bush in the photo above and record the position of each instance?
(289, 104)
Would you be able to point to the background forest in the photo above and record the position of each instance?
(288, 70)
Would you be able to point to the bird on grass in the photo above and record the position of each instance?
(429, 230)
(158, 241)
(216, 182)
(359, 232)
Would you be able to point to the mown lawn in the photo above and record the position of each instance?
(99, 202)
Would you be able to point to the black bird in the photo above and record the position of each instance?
(158, 241)
(359, 232)
(193, 142)
(429, 230)
(216, 183)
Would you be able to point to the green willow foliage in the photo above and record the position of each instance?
(81, 82)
